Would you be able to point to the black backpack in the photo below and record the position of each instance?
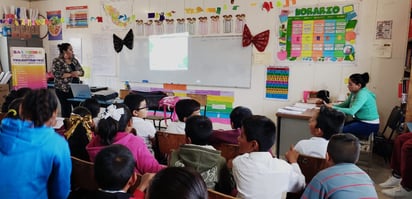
(324, 95)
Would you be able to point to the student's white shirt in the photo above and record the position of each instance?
(146, 130)
(259, 175)
(315, 147)
(176, 127)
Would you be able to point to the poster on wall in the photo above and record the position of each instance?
(277, 82)
(76, 17)
(384, 29)
(118, 14)
(28, 67)
(318, 33)
(55, 25)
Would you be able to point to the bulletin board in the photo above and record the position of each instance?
(322, 33)
(212, 61)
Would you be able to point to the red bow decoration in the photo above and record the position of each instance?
(260, 40)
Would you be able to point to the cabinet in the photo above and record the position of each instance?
(408, 112)
(407, 75)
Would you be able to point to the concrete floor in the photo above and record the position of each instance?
(378, 170)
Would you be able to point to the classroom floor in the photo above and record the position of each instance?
(379, 171)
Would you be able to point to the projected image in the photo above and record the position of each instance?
(168, 52)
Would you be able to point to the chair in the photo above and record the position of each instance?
(212, 194)
(383, 142)
(366, 147)
(309, 166)
(229, 151)
(393, 123)
(166, 108)
(82, 177)
(167, 142)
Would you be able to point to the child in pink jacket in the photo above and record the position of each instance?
(113, 128)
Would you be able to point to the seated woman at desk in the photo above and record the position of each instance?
(361, 104)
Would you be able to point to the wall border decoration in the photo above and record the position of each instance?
(322, 33)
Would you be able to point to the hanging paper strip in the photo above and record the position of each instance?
(277, 82)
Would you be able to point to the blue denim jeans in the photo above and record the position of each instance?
(360, 129)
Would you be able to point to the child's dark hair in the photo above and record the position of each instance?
(13, 110)
(80, 132)
(198, 129)
(63, 47)
(343, 148)
(39, 106)
(186, 107)
(238, 114)
(21, 92)
(109, 126)
(113, 167)
(330, 121)
(177, 183)
(92, 105)
(361, 79)
(261, 129)
(133, 101)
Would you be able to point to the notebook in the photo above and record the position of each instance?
(81, 91)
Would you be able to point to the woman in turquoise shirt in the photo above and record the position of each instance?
(361, 104)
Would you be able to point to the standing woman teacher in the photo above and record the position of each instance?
(66, 69)
(361, 104)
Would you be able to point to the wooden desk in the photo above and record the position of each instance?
(291, 128)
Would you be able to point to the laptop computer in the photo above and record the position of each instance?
(81, 91)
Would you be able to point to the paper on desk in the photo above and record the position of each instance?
(59, 123)
(294, 108)
(305, 105)
(282, 110)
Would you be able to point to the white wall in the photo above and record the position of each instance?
(385, 73)
(17, 3)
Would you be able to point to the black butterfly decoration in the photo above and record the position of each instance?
(127, 41)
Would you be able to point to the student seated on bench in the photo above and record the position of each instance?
(145, 129)
(230, 136)
(323, 124)
(114, 128)
(114, 174)
(199, 155)
(184, 108)
(343, 179)
(256, 172)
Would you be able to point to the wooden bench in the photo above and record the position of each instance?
(166, 142)
(212, 194)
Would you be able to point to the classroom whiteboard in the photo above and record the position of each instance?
(212, 61)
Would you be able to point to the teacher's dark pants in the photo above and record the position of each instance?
(360, 129)
(65, 105)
